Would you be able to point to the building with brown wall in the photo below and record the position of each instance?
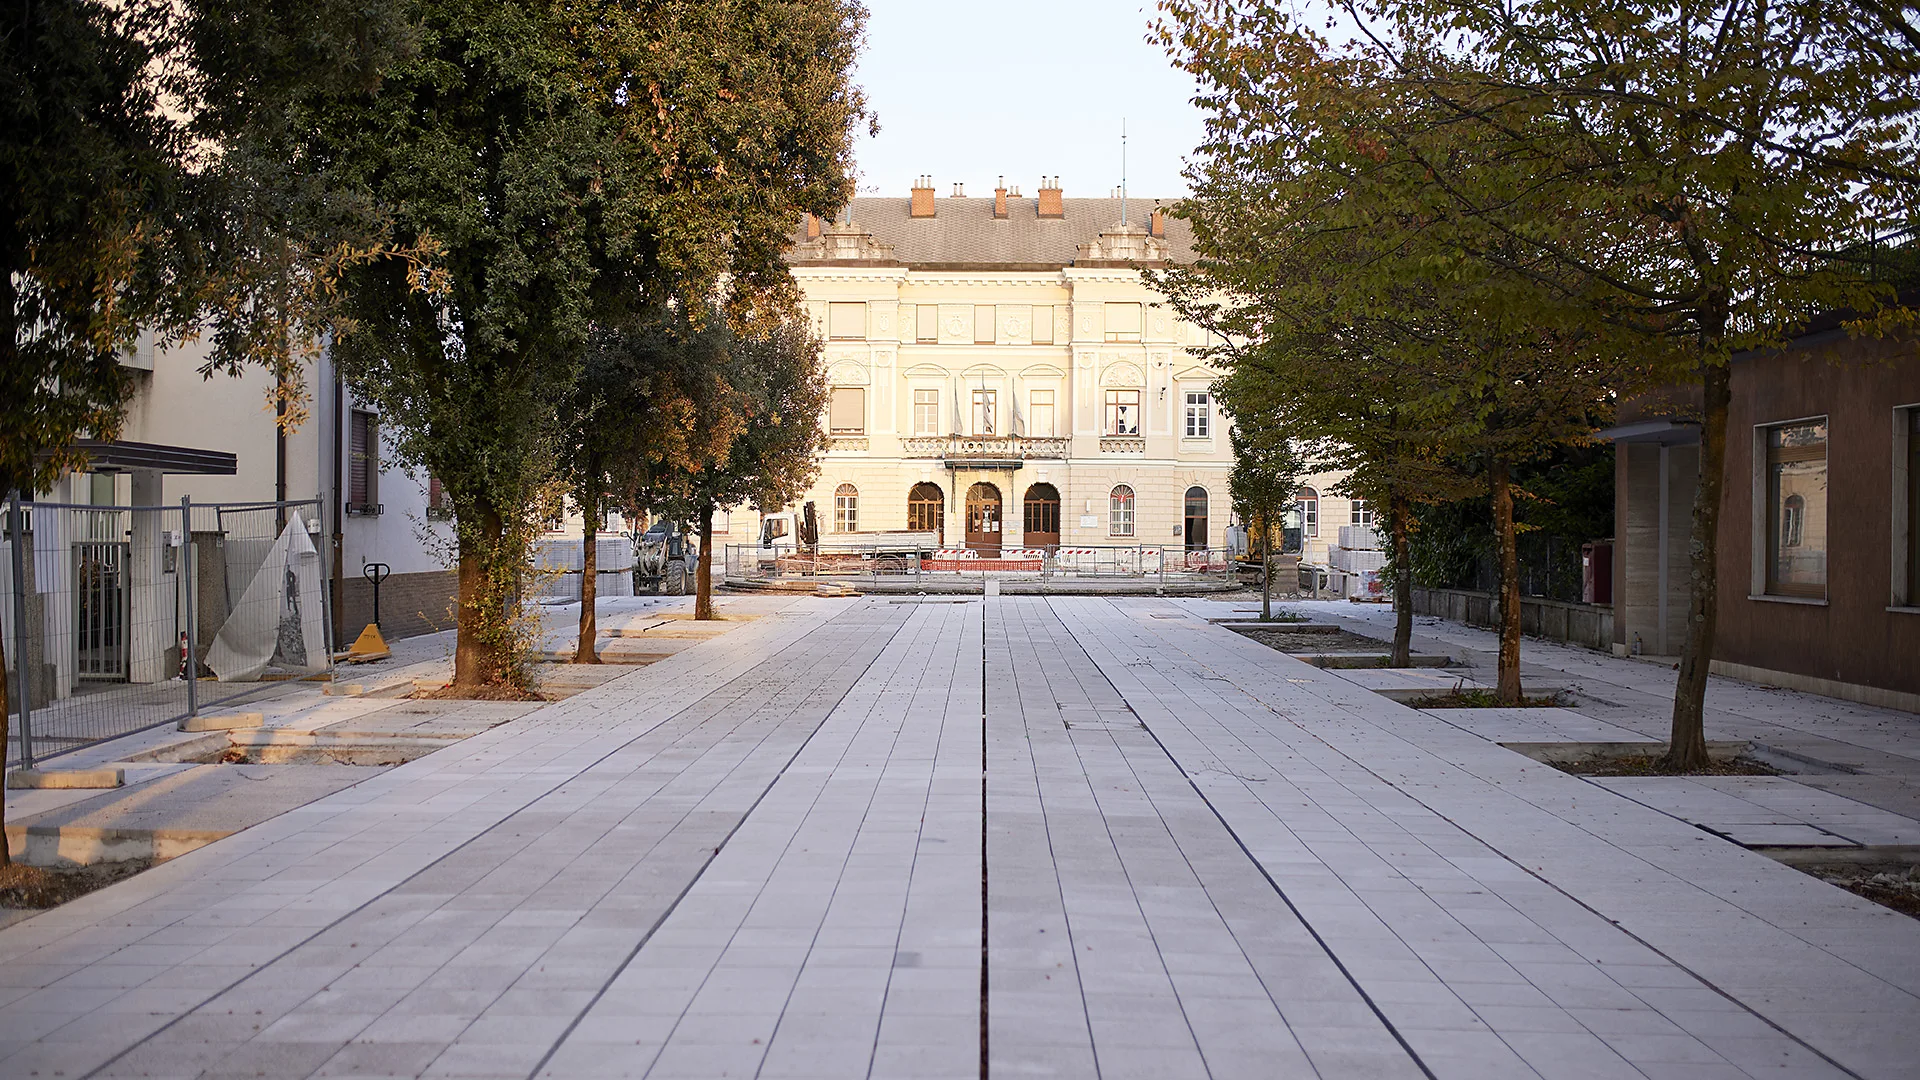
(1819, 540)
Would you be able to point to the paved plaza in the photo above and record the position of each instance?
(1009, 837)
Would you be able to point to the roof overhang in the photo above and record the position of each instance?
(1662, 432)
(116, 456)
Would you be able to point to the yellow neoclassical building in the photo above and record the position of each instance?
(1003, 375)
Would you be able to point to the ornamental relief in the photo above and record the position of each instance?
(848, 373)
(1122, 374)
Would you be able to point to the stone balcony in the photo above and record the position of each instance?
(984, 448)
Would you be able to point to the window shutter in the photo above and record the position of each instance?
(847, 320)
(849, 410)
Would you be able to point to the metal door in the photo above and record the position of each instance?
(100, 610)
(983, 520)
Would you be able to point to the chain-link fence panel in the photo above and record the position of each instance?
(120, 618)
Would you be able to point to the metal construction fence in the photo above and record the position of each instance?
(119, 618)
(1058, 564)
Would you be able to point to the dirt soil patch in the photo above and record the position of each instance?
(1317, 642)
(33, 887)
(1486, 699)
(1897, 887)
(477, 693)
(1649, 765)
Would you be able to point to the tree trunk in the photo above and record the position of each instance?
(1687, 749)
(703, 574)
(589, 574)
(1399, 511)
(6, 733)
(1509, 692)
(475, 658)
(1266, 572)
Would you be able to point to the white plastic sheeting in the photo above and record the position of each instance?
(280, 619)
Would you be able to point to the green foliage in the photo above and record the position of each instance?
(1266, 472)
(93, 196)
(536, 169)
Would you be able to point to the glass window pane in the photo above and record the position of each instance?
(1796, 482)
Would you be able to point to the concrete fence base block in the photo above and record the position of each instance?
(22, 779)
(223, 722)
(70, 845)
(352, 689)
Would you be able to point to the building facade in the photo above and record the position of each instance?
(1819, 540)
(1004, 375)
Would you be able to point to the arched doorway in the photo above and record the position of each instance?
(983, 520)
(927, 510)
(1040, 517)
(1196, 518)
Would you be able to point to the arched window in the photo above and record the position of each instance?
(846, 509)
(927, 509)
(1120, 511)
(1040, 515)
(1793, 517)
(1196, 519)
(1308, 502)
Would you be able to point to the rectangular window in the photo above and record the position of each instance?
(1362, 513)
(1199, 414)
(1796, 499)
(1043, 326)
(439, 505)
(926, 412)
(722, 521)
(1123, 322)
(983, 324)
(926, 324)
(1040, 410)
(846, 321)
(985, 412)
(1123, 411)
(363, 463)
(1913, 508)
(848, 415)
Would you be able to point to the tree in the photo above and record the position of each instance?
(1263, 484)
(1717, 175)
(566, 166)
(121, 207)
(762, 412)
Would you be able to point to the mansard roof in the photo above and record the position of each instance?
(964, 234)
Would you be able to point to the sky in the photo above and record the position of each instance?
(971, 92)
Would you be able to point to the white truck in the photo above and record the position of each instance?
(896, 552)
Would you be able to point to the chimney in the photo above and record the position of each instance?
(813, 227)
(1159, 223)
(1049, 203)
(959, 190)
(1000, 199)
(922, 197)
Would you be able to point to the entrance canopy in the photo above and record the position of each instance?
(117, 456)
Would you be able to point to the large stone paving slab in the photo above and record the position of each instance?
(1050, 837)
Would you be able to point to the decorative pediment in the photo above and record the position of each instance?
(1122, 244)
(1123, 373)
(848, 373)
(842, 242)
(984, 371)
(925, 371)
(1196, 374)
(1042, 371)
